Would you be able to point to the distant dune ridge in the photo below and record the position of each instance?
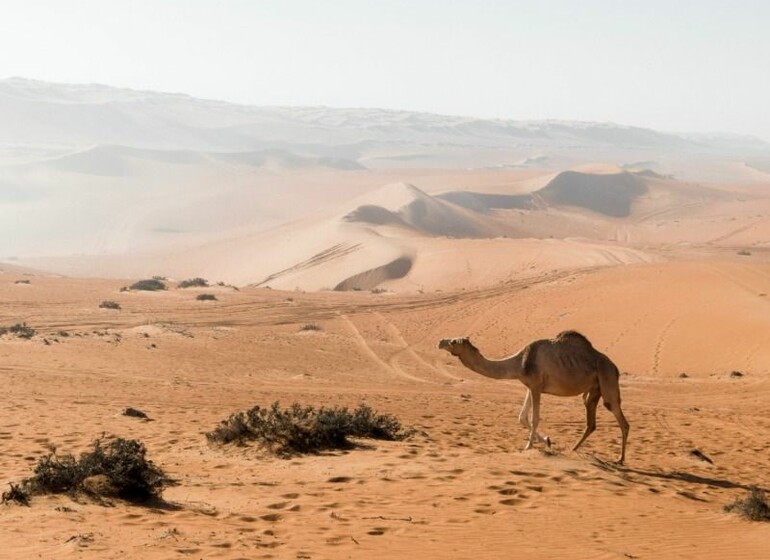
(608, 194)
(425, 214)
(104, 181)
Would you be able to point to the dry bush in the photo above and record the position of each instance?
(206, 297)
(109, 305)
(299, 429)
(118, 469)
(193, 283)
(149, 285)
(19, 330)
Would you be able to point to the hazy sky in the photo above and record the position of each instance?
(684, 66)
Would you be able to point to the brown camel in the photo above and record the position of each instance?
(565, 366)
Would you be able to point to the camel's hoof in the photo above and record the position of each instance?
(547, 441)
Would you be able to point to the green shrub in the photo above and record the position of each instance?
(753, 507)
(120, 465)
(193, 283)
(109, 305)
(299, 429)
(206, 297)
(150, 285)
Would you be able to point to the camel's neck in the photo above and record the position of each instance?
(508, 368)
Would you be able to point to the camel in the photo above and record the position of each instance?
(566, 366)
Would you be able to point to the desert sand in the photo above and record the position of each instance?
(462, 487)
(386, 231)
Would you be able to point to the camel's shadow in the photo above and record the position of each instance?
(681, 476)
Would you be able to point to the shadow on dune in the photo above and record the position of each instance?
(372, 278)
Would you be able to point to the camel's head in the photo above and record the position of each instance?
(454, 345)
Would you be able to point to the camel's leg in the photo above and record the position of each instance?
(535, 419)
(524, 414)
(591, 400)
(610, 390)
(524, 418)
(614, 407)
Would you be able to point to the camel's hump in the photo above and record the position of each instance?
(566, 335)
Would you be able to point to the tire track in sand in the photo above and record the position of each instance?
(367, 350)
(407, 348)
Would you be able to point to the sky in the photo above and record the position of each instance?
(673, 66)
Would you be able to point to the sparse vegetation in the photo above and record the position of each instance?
(744, 253)
(753, 507)
(206, 297)
(118, 469)
(150, 285)
(234, 288)
(310, 327)
(109, 305)
(22, 282)
(193, 283)
(299, 429)
(19, 330)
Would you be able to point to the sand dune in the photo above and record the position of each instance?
(610, 193)
(536, 221)
(404, 204)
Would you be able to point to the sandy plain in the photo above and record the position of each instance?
(462, 487)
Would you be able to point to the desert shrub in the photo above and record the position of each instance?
(193, 283)
(150, 285)
(22, 282)
(310, 327)
(121, 464)
(744, 253)
(206, 297)
(299, 429)
(753, 507)
(20, 330)
(109, 305)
